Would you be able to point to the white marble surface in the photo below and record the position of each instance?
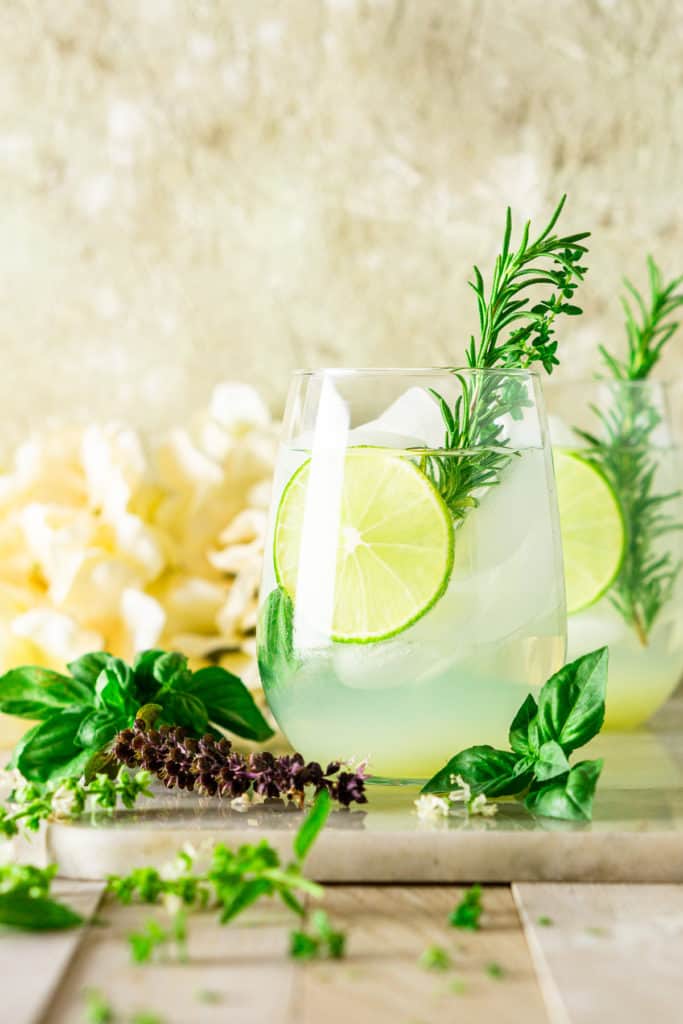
(636, 834)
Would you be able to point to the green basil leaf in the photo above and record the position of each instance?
(34, 692)
(143, 669)
(571, 705)
(87, 668)
(170, 670)
(552, 761)
(114, 689)
(275, 651)
(48, 749)
(569, 797)
(185, 709)
(485, 770)
(35, 913)
(247, 893)
(312, 825)
(229, 703)
(520, 737)
(98, 728)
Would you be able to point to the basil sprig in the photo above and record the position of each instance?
(79, 714)
(570, 712)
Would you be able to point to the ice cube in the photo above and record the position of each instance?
(413, 417)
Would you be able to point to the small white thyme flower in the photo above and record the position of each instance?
(172, 903)
(246, 801)
(64, 802)
(480, 805)
(463, 794)
(430, 807)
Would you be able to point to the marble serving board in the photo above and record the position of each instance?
(636, 834)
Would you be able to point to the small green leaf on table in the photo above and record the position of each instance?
(312, 825)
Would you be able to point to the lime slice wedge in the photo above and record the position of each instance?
(394, 545)
(592, 528)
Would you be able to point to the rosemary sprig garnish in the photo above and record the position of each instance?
(513, 335)
(627, 456)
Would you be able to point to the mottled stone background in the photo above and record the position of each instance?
(200, 189)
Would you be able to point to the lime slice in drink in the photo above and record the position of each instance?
(592, 527)
(394, 542)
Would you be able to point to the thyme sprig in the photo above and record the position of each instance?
(31, 803)
(626, 454)
(513, 335)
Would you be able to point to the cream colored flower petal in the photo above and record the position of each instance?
(57, 538)
(183, 466)
(55, 634)
(96, 590)
(238, 408)
(238, 558)
(260, 494)
(144, 619)
(114, 466)
(200, 645)
(214, 440)
(191, 602)
(140, 545)
(247, 526)
(46, 470)
(239, 600)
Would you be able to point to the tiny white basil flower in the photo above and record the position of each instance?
(172, 904)
(64, 802)
(480, 805)
(430, 807)
(461, 795)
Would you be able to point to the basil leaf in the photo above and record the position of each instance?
(552, 761)
(114, 689)
(485, 770)
(34, 692)
(97, 728)
(50, 748)
(87, 668)
(520, 737)
(229, 703)
(569, 797)
(186, 710)
(312, 824)
(143, 670)
(571, 705)
(170, 670)
(275, 653)
(35, 913)
(247, 893)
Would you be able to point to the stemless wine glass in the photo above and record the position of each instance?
(412, 593)
(623, 428)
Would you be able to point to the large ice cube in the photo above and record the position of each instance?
(414, 416)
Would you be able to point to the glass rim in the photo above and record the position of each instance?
(604, 381)
(413, 371)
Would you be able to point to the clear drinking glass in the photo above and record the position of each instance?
(412, 592)
(640, 615)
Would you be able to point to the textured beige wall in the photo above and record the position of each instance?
(192, 190)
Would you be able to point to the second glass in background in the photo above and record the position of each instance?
(624, 429)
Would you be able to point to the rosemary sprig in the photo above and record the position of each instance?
(626, 454)
(513, 335)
